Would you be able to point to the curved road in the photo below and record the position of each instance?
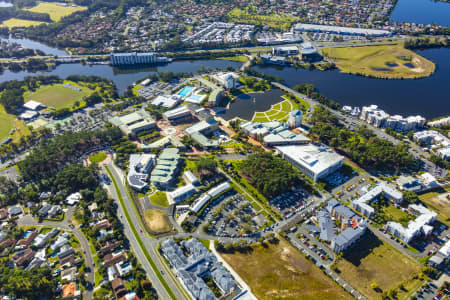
(29, 221)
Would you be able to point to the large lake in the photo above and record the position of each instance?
(428, 96)
(422, 12)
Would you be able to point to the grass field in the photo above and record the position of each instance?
(55, 11)
(438, 203)
(248, 15)
(385, 61)
(58, 96)
(159, 198)
(157, 220)
(13, 22)
(372, 261)
(97, 157)
(281, 272)
(279, 111)
(6, 123)
(238, 58)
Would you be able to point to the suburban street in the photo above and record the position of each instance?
(29, 221)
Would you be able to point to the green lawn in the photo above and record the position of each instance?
(13, 22)
(58, 96)
(372, 261)
(159, 198)
(281, 272)
(97, 157)
(384, 61)
(6, 123)
(279, 111)
(238, 58)
(55, 11)
(396, 215)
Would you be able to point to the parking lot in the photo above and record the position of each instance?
(291, 202)
(233, 217)
(157, 88)
(330, 37)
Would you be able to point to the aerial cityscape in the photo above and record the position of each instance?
(224, 149)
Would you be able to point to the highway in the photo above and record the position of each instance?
(64, 225)
(148, 242)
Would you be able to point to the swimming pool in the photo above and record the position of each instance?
(185, 91)
(27, 234)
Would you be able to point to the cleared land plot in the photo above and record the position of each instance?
(281, 272)
(440, 204)
(157, 220)
(58, 96)
(55, 11)
(385, 61)
(372, 261)
(249, 15)
(279, 111)
(159, 198)
(13, 22)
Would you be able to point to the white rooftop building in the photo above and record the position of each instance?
(362, 203)
(340, 30)
(316, 161)
(421, 225)
(139, 168)
(33, 105)
(181, 193)
(167, 101)
(379, 118)
(227, 80)
(431, 137)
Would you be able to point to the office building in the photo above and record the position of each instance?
(213, 192)
(216, 92)
(316, 161)
(199, 132)
(132, 58)
(167, 101)
(139, 168)
(273, 133)
(132, 123)
(181, 193)
(166, 167)
(227, 80)
(177, 115)
(295, 118)
(285, 51)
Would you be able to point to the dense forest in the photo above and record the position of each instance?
(362, 146)
(271, 175)
(51, 156)
(28, 284)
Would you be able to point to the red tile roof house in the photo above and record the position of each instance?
(103, 224)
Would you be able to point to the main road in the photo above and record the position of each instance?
(149, 244)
